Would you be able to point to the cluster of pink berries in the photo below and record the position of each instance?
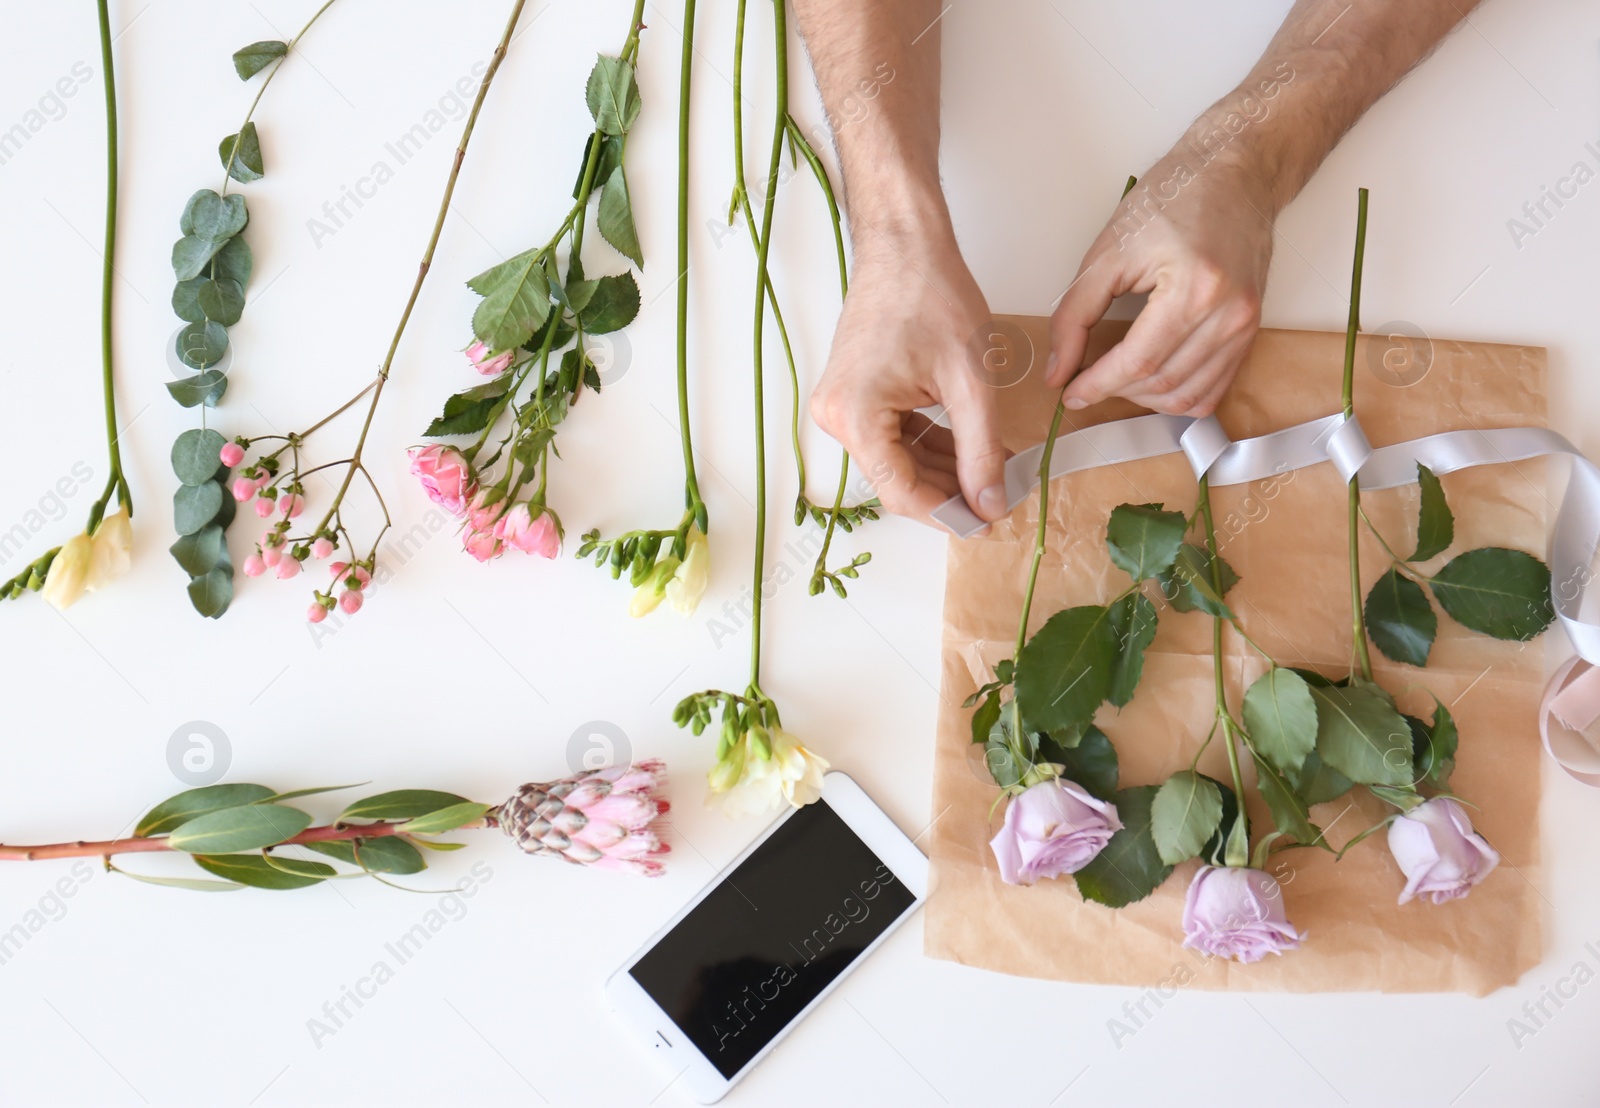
(282, 555)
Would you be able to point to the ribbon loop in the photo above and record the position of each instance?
(1348, 448)
(1203, 443)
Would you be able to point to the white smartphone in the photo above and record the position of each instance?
(760, 946)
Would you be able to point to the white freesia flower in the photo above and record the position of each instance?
(681, 584)
(111, 553)
(69, 572)
(765, 767)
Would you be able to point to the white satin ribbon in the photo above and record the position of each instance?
(1342, 442)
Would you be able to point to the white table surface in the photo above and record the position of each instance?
(473, 678)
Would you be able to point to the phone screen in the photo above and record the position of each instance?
(775, 931)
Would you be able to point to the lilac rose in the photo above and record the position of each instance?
(1440, 854)
(1236, 913)
(1052, 828)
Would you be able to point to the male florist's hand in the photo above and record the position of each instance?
(1199, 242)
(902, 344)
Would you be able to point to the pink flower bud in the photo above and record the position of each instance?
(316, 613)
(244, 488)
(321, 548)
(287, 568)
(478, 355)
(254, 566)
(263, 507)
(350, 602)
(271, 555)
(232, 454)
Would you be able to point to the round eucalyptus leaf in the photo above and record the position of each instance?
(194, 506)
(197, 455)
(201, 345)
(222, 300)
(198, 553)
(186, 302)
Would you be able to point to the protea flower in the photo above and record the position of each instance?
(596, 818)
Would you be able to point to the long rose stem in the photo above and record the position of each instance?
(333, 832)
(1358, 622)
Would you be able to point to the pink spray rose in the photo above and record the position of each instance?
(521, 529)
(1440, 854)
(445, 476)
(1236, 913)
(478, 355)
(1052, 828)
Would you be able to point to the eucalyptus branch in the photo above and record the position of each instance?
(233, 153)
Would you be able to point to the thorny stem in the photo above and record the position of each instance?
(1044, 519)
(227, 173)
(427, 258)
(115, 482)
(1358, 621)
(1223, 715)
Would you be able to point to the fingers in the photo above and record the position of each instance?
(872, 435)
(1081, 307)
(980, 455)
(1155, 337)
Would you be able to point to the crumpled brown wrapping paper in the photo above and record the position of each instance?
(1287, 538)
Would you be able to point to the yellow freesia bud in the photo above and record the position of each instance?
(69, 572)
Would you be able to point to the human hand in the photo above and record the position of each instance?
(902, 344)
(1199, 242)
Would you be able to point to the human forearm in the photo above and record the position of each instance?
(877, 66)
(1329, 62)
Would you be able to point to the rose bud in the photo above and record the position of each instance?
(478, 355)
(1050, 829)
(445, 475)
(1438, 851)
(1236, 913)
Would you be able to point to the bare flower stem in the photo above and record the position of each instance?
(1357, 618)
(115, 481)
(1044, 520)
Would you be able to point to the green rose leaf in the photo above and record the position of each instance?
(196, 455)
(1433, 747)
(252, 59)
(984, 719)
(250, 827)
(205, 387)
(1362, 736)
(199, 553)
(233, 262)
(1064, 671)
(516, 300)
(563, 333)
(212, 592)
(190, 255)
(1133, 622)
(384, 855)
(610, 157)
(613, 95)
(1184, 814)
(1144, 539)
(468, 412)
(1281, 718)
(616, 218)
(222, 300)
(1400, 620)
(1091, 762)
(201, 345)
(1188, 584)
(177, 810)
(245, 165)
(1318, 782)
(1497, 592)
(210, 215)
(445, 819)
(1129, 868)
(401, 804)
(1215, 849)
(1436, 525)
(255, 871)
(194, 506)
(1001, 761)
(1288, 809)
(613, 305)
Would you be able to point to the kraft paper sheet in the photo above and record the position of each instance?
(1287, 538)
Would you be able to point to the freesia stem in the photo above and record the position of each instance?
(1044, 519)
(115, 480)
(690, 478)
(427, 257)
(1358, 620)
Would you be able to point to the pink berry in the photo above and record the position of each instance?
(351, 602)
(232, 454)
(288, 568)
(337, 569)
(271, 556)
(321, 549)
(316, 613)
(254, 566)
(291, 505)
(244, 488)
(263, 507)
